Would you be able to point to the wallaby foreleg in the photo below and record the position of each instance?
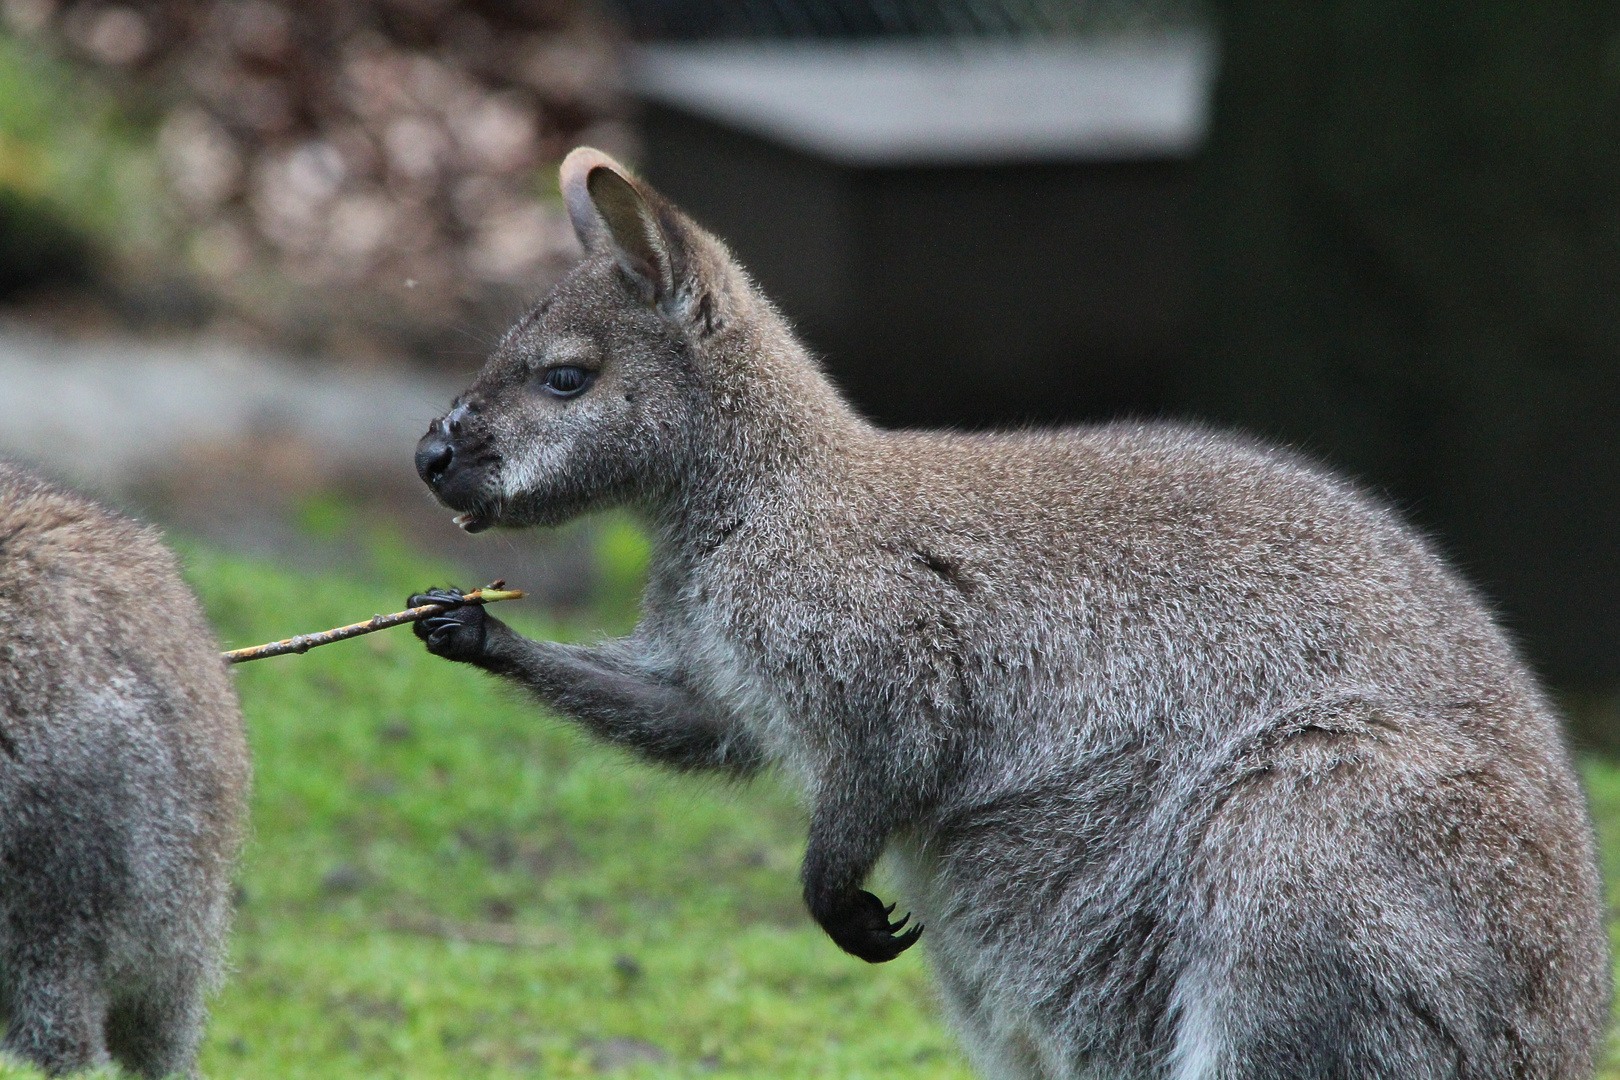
(847, 834)
(616, 696)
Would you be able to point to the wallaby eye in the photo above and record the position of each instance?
(566, 380)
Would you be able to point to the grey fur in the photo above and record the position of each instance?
(123, 771)
(1195, 760)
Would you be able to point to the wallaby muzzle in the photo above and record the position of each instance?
(456, 469)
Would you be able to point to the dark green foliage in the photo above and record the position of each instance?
(38, 248)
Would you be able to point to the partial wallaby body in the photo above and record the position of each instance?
(1195, 761)
(123, 771)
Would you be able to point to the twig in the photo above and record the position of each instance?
(305, 642)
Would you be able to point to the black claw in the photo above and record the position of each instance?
(860, 926)
(447, 597)
(456, 633)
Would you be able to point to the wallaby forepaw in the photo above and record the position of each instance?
(861, 927)
(457, 634)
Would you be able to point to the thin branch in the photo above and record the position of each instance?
(305, 642)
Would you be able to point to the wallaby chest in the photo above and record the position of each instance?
(805, 642)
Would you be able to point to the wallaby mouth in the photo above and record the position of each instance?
(475, 510)
(472, 523)
(474, 515)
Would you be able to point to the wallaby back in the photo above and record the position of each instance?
(123, 771)
(1195, 760)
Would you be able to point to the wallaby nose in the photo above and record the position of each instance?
(434, 455)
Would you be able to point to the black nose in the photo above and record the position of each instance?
(434, 455)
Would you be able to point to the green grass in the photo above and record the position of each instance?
(402, 802)
(1603, 789)
(407, 810)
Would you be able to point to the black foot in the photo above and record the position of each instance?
(860, 926)
(457, 634)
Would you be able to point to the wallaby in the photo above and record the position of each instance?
(1194, 760)
(123, 770)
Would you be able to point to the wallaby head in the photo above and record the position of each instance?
(594, 397)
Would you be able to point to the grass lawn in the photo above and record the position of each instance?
(443, 882)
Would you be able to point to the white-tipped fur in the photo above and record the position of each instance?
(1195, 1005)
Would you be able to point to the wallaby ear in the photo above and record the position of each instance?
(577, 197)
(609, 210)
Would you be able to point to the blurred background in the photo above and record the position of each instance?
(248, 248)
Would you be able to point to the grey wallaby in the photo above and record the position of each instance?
(1195, 761)
(123, 770)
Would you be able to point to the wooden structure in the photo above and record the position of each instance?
(969, 232)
